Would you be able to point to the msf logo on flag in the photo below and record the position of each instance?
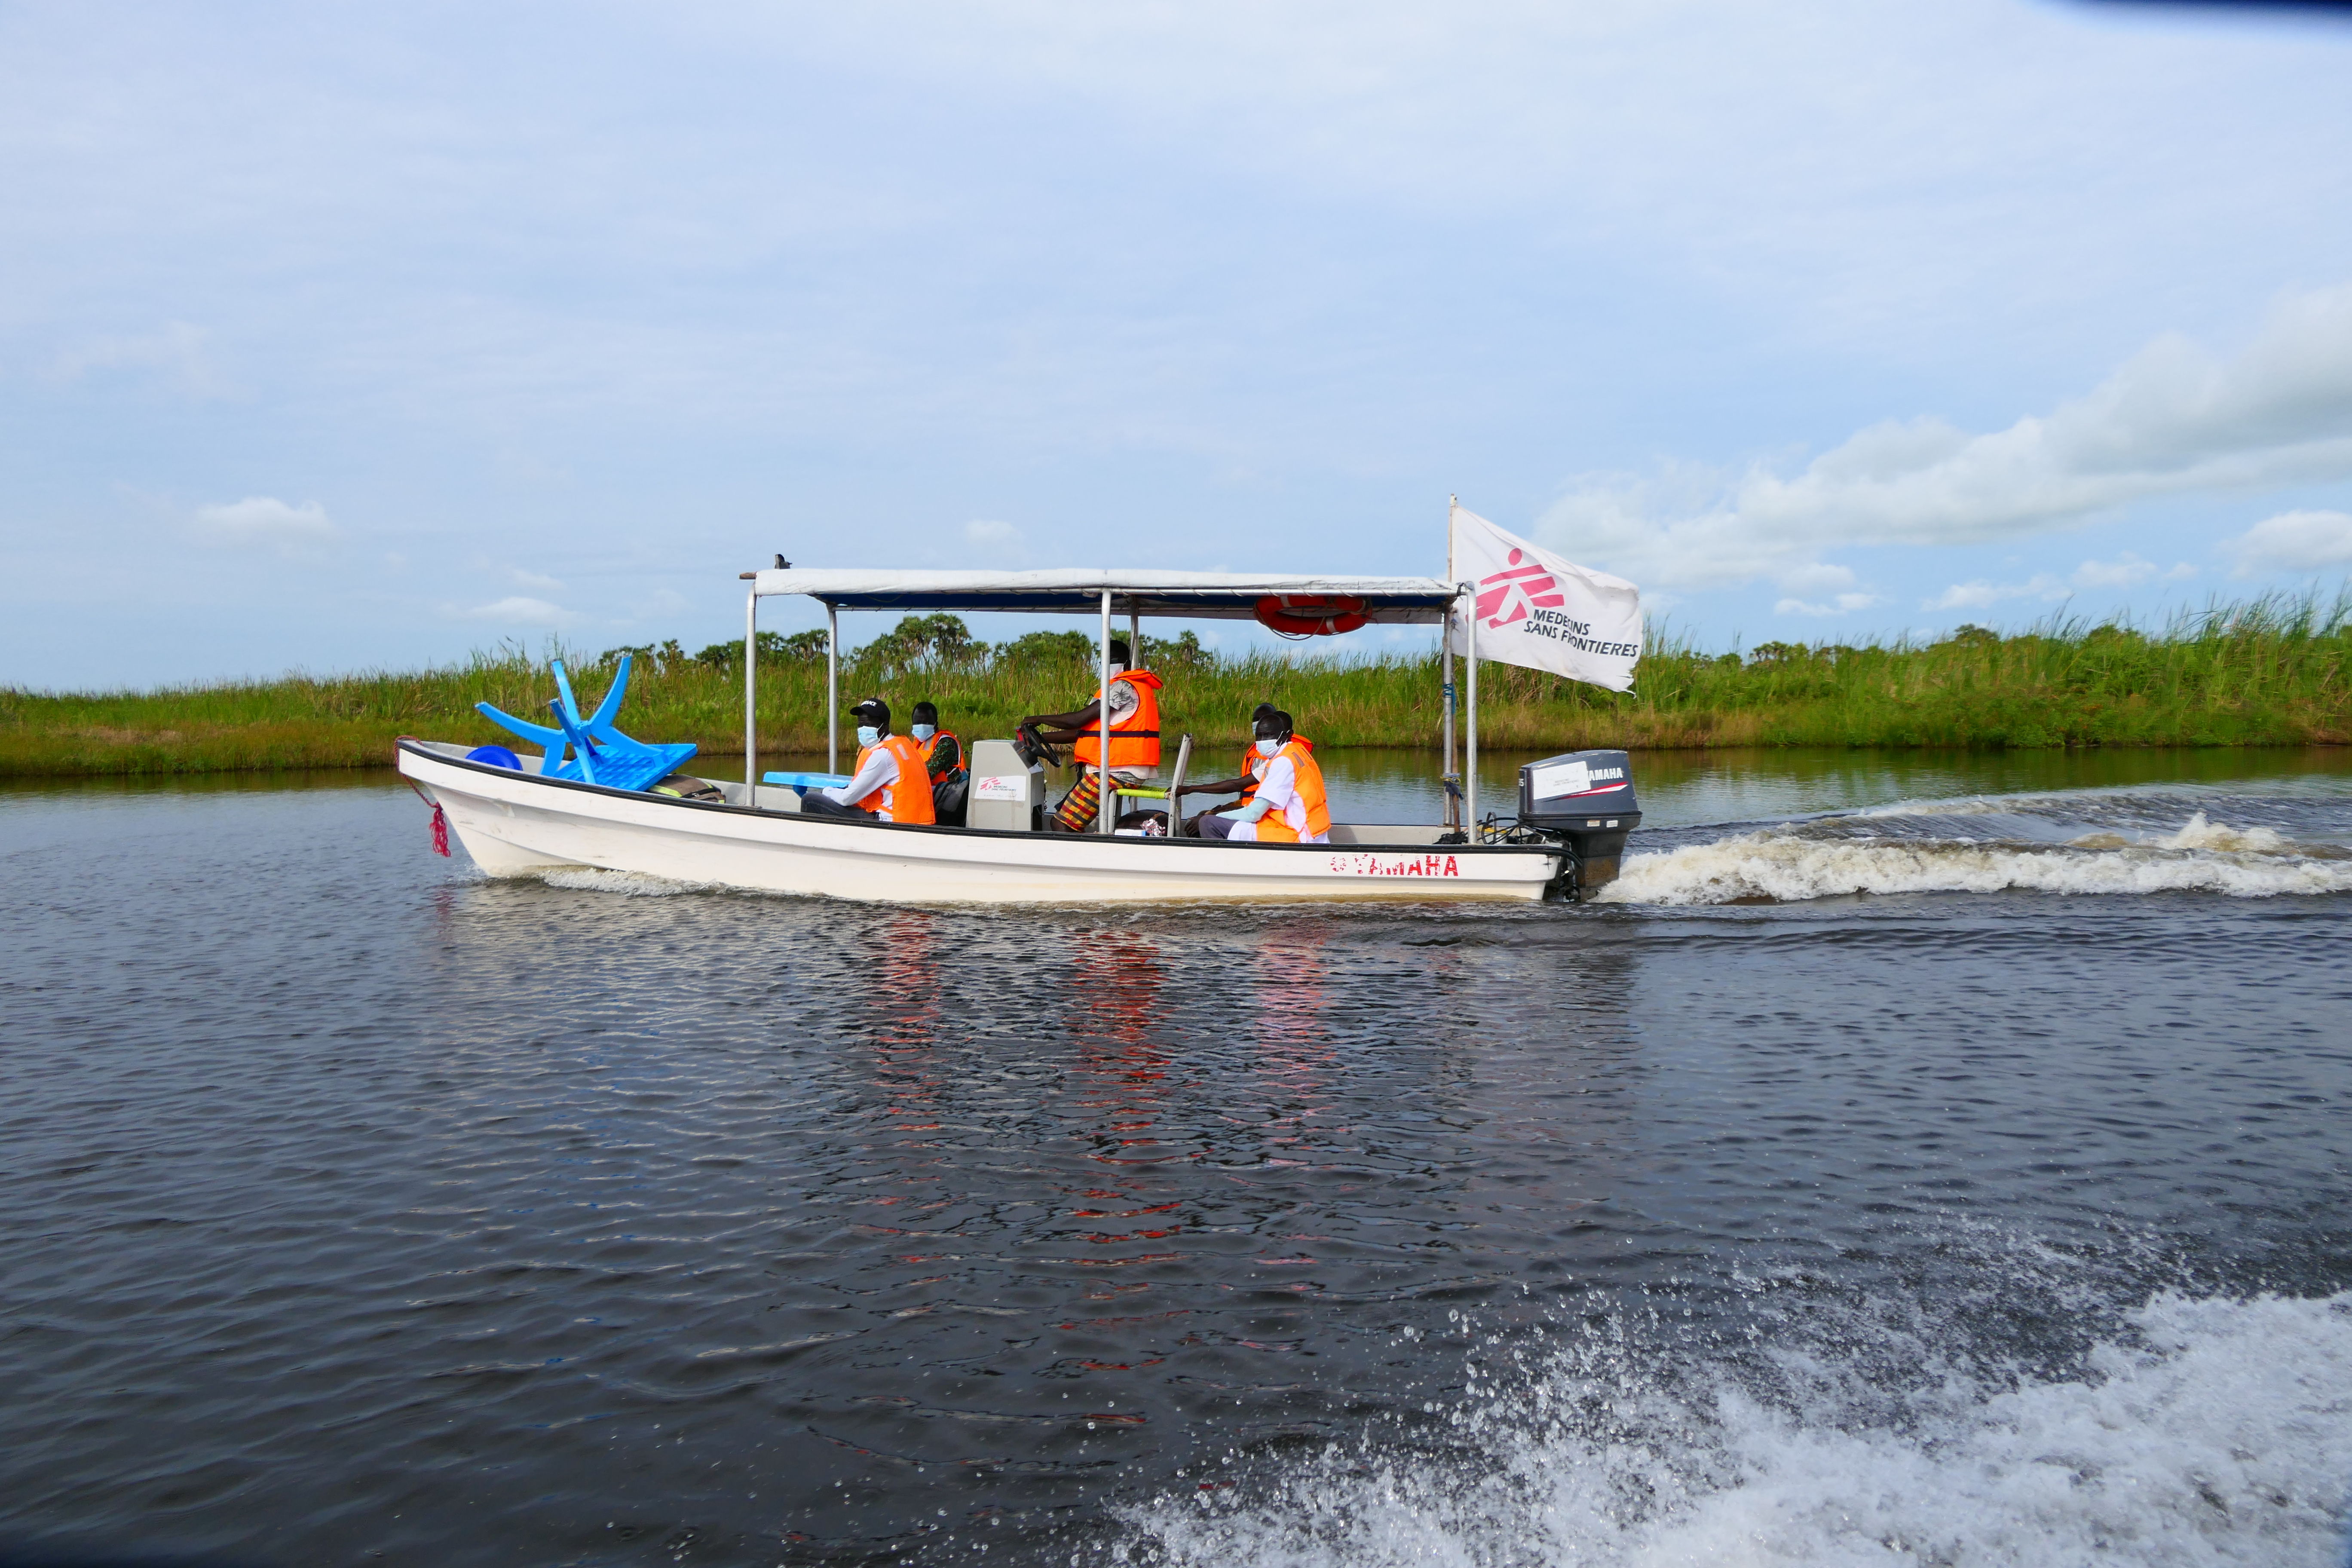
(1517, 591)
(1533, 608)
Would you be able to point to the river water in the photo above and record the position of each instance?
(1912, 1162)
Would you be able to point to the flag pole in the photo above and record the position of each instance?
(1449, 779)
(1470, 730)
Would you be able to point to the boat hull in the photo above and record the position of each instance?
(516, 824)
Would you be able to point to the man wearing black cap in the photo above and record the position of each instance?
(1244, 783)
(1288, 806)
(1263, 725)
(889, 783)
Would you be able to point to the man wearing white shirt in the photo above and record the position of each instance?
(891, 783)
(1289, 807)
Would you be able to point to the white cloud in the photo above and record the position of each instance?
(517, 610)
(2125, 571)
(1981, 592)
(177, 352)
(1844, 603)
(2170, 420)
(265, 522)
(2129, 571)
(2294, 541)
(535, 582)
(993, 536)
(1817, 577)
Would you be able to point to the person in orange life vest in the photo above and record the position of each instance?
(942, 753)
(1134, 717)
(1243, 785)
(1289, 805)
(943, 760)
(888, 785)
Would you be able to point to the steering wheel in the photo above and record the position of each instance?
(1034, 748)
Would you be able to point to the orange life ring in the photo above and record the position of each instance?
(1311, 614)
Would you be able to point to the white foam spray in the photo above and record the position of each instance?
(637, 884)
(2205, 1432)
(2198, 834)
(1786, 864)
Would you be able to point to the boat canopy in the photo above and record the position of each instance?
(1078, 591)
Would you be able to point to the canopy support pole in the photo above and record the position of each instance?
(1134, 638)
(1451, 780)
(1106, 801)
(752, 698)
(1470, 729)
(1445, 692)
(833, 688)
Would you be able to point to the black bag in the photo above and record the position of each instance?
(948, 796)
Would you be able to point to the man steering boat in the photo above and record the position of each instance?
(1133, 698)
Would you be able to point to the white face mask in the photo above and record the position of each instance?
(1267, 748)
(925, 731)
(867, 734)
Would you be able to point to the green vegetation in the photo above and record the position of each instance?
(2270, 671)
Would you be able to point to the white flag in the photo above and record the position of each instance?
(1536, 609)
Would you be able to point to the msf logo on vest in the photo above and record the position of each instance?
(1516, 591)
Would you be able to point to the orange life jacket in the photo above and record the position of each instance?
(1253, 769)
(1134, 740)
(1273, 828)
(908, 799)
(931, 748)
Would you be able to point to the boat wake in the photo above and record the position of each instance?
(638, 884)
(2200, 1432)
(2078, 844)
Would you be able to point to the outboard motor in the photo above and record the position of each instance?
(1586, 798)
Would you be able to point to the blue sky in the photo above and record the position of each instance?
(334, 335)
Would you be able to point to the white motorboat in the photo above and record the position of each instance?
(522, 816)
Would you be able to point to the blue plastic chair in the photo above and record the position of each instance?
(603, 756)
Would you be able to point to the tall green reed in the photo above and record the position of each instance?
(2271, 670)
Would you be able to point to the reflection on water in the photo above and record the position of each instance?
(360, 1205)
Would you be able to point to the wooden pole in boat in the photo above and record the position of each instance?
(1470, 728)
(832, 689)
(750, 697)
(1105, 802)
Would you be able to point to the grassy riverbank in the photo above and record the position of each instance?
(2270, 671)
